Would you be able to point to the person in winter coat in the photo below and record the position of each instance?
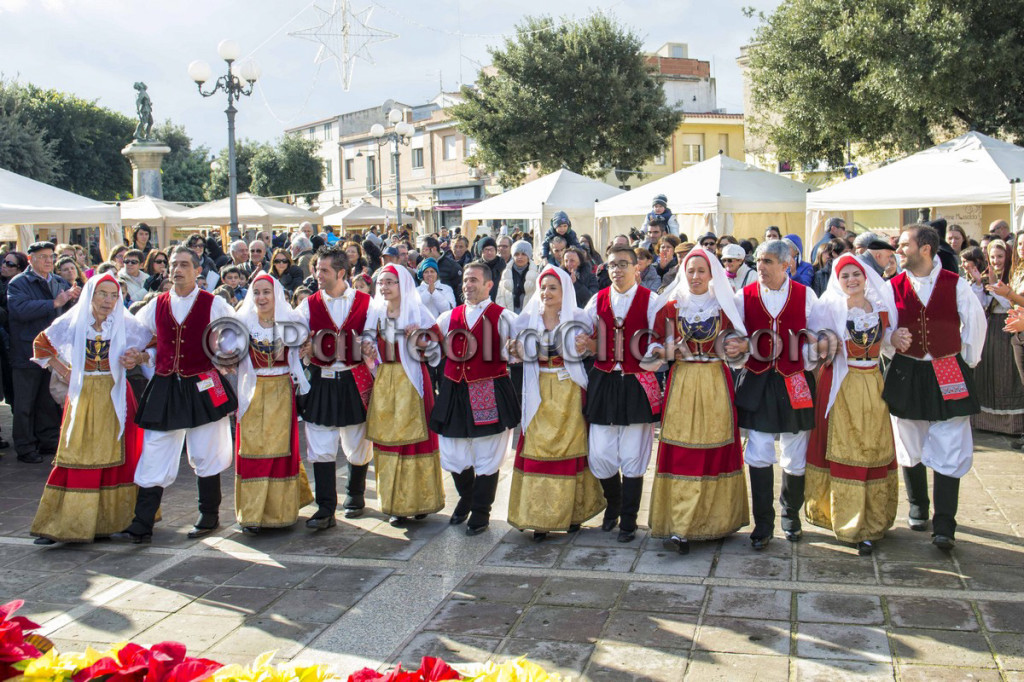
(561, 226)
(737, 271)
(489, 255)
(800, 271)
(659, 207)
(518, 280)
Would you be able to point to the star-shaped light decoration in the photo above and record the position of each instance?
(343, 36)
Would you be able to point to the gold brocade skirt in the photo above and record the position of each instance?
(405, 454)
(91, 490)
(699, 492)
(552, 486)
(851, 485)
(270, 482)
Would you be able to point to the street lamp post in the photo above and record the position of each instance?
(401, 134)
(199, 71)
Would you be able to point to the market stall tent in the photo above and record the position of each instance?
(360, 214)
(159, 214)
(720, 195)
(538, 200)
(970, 170)
(253, 211)
(27, 206)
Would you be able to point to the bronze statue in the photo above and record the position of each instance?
(144, 109)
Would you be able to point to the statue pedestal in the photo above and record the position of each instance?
(146, 157)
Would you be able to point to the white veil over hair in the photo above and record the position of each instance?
(832, 312)
(719, 288)
(411, 313)
(69, 334)
(532, 319)
(249, 317)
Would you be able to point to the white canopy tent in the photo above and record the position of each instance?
(252, 211)
(970, 170)
(27, 205)
(360, 214)
(720, 195)
(159, 214)
(538, 200)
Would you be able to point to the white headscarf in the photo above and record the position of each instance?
(532, 318)
(250, 318)
(719, 288)
(411, 313)
(832, 311)
(68, 334)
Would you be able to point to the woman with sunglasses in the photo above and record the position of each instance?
(282, 269)
(155, 268)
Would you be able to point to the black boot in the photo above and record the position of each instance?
(915, 479)
(632, 489)
(464, 486)
(325, 478)
(947, 496)
(484, 489)
(354, 500)
(147, 504)
(612, 487)
(791, 499)
(209, 506)
(762, 485)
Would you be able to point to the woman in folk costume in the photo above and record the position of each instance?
(552, 486)
(270, 481)
(405, 453)
(852, 487)
(91, 490)
(700, 492)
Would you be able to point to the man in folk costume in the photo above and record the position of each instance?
(476, 408)
(341, 325)
(623, 400)
(185, 403)
(774, 392)
(929, 385)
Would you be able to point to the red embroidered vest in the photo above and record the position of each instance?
(787, 359)
(486, 362)
(935, 328)
(635, 321)
(179, 347)
(347, 335)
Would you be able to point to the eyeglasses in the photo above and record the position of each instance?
(281, 261)
(619, 265)
(160, 262)
(131, 261)
(10, 264)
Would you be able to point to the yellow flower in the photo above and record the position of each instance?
(519, 670)
(261, 670)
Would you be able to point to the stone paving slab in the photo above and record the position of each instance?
(583, 605)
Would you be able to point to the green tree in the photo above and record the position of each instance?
(87, 139)
(24, 148)
(887, 76)
(578, 95)
(216, 186)
(292, 167)
(184, 171)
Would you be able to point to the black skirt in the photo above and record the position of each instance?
(331, 402)
(617, 399)
(762, 403)
(912, 391)
(452, 416)
(175, 402)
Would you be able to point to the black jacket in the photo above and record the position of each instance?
(291, 278)
(497, 267)
(30, 307)
(585, 286)
(451, 274)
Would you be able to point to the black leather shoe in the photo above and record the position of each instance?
(865, 548)
(457, 519)
(626, 535)
(420, 517)
(44, 541)
(34, 458)
(4, 444)
(944, 542)
(397, 521)
(251, 530)
(353, 513)
(759, 544)
(125, 536)
(919, 525)
(475, 530)
(322, 523)
(198, 532)
(539, 536)
(794, 535)
(679, 544)
(574, 528)
(609, 524)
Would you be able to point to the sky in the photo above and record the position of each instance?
(97, 49)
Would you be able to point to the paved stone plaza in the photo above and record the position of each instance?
(365, 593)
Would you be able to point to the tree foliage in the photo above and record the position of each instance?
(216, 186)
(577, 94)
(292, 167)
(184, 171)
(24, 148)
(889, 76)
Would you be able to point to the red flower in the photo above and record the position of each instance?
(13, 647)
(431, 670)
(165, 662)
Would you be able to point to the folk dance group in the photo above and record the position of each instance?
(587, 408)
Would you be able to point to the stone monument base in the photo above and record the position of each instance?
(146, 157)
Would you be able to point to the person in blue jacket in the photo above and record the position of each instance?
(562, 227)
(801, 271)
